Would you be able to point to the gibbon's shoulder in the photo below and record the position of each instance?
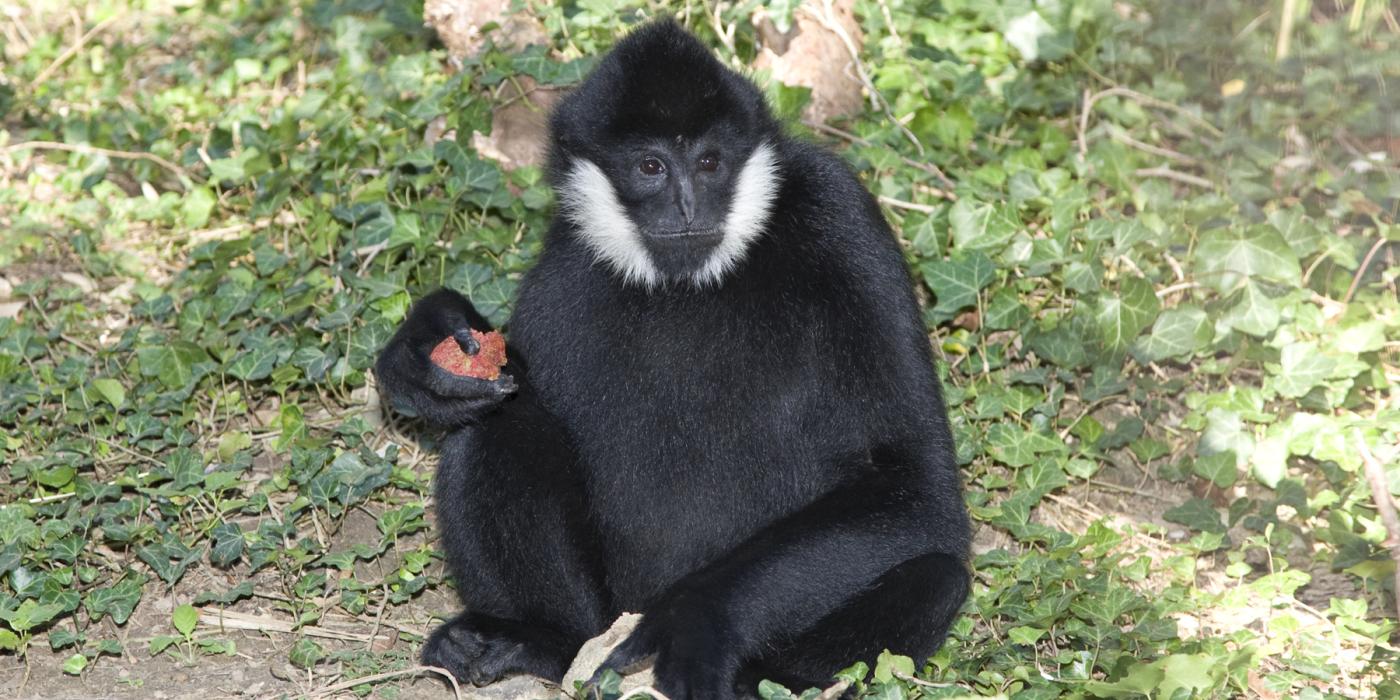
(823, 197)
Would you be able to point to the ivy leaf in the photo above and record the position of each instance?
(1005, 311)
(1177, 334)
(1301, 233)
(401, 521)
(1225, 432)
(1124, 432)
(29, 614)
(1254, 312)
(258, 358)
(1140, 681)
(1083, 277)
(1229, 256)
(1063, 345)
(1016, 446)
(956, 282)
(979, 225)
(1301, 367)
(1197, 514)
(768, 690)
(314, 361)
(1042, 477)
(493, 299)
(60, 638)
(1269, 461)
(117, 601)
(468, 172)
(184, 618)
(75, 664)
(1193, 673)
(1220, 468)
(172, 362)
(111, 390)
(1104, 608)
(305, 653)
(228, 545)
(1121, 318)
(887, 664)
(162, 642)
(243, 590)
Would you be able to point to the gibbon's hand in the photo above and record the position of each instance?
(461, 370)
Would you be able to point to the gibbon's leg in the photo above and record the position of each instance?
(908, 611)
(526, 562)
(805, 568)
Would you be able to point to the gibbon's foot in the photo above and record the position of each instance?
(687, 638)
(483, 657)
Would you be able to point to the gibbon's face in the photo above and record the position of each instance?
(666, 162)
(673, 209)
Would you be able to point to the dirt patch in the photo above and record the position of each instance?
(262, 630)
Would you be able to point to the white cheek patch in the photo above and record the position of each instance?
(588, 200)
(749, 209)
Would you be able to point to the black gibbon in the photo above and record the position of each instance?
(720, 407)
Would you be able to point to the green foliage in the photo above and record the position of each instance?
(1167, 324)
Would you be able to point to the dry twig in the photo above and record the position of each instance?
(827, 18)
(73, 50)
(1092, 99)
(921, 682)
(644, 690)
(411, 671)
(929, 168)
(95, 150)
(836, 690)
(911, 206)
(1122, 137)
(1380, 493)
(229, 619)
(1285, 29)
(1180, 287)
(1168, 173)
(1361, 270)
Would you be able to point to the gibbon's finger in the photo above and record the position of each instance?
(456, 386)
(466, 341)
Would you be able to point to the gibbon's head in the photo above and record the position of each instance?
(665, 160)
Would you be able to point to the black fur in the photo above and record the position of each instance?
(763, 468)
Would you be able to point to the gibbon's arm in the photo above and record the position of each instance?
(413, 382)
(786, 578)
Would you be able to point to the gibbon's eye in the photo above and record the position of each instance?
(652, 166)
(709, 162)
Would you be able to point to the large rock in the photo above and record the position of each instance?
(461, 25)
(595, 650)
(520, 128)
(811, 55)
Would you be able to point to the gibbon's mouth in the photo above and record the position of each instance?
(686, 240)
(676, 253)
(694, 235)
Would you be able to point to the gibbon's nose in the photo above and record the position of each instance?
(686, 200)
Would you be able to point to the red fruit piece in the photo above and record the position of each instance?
(485, 364)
